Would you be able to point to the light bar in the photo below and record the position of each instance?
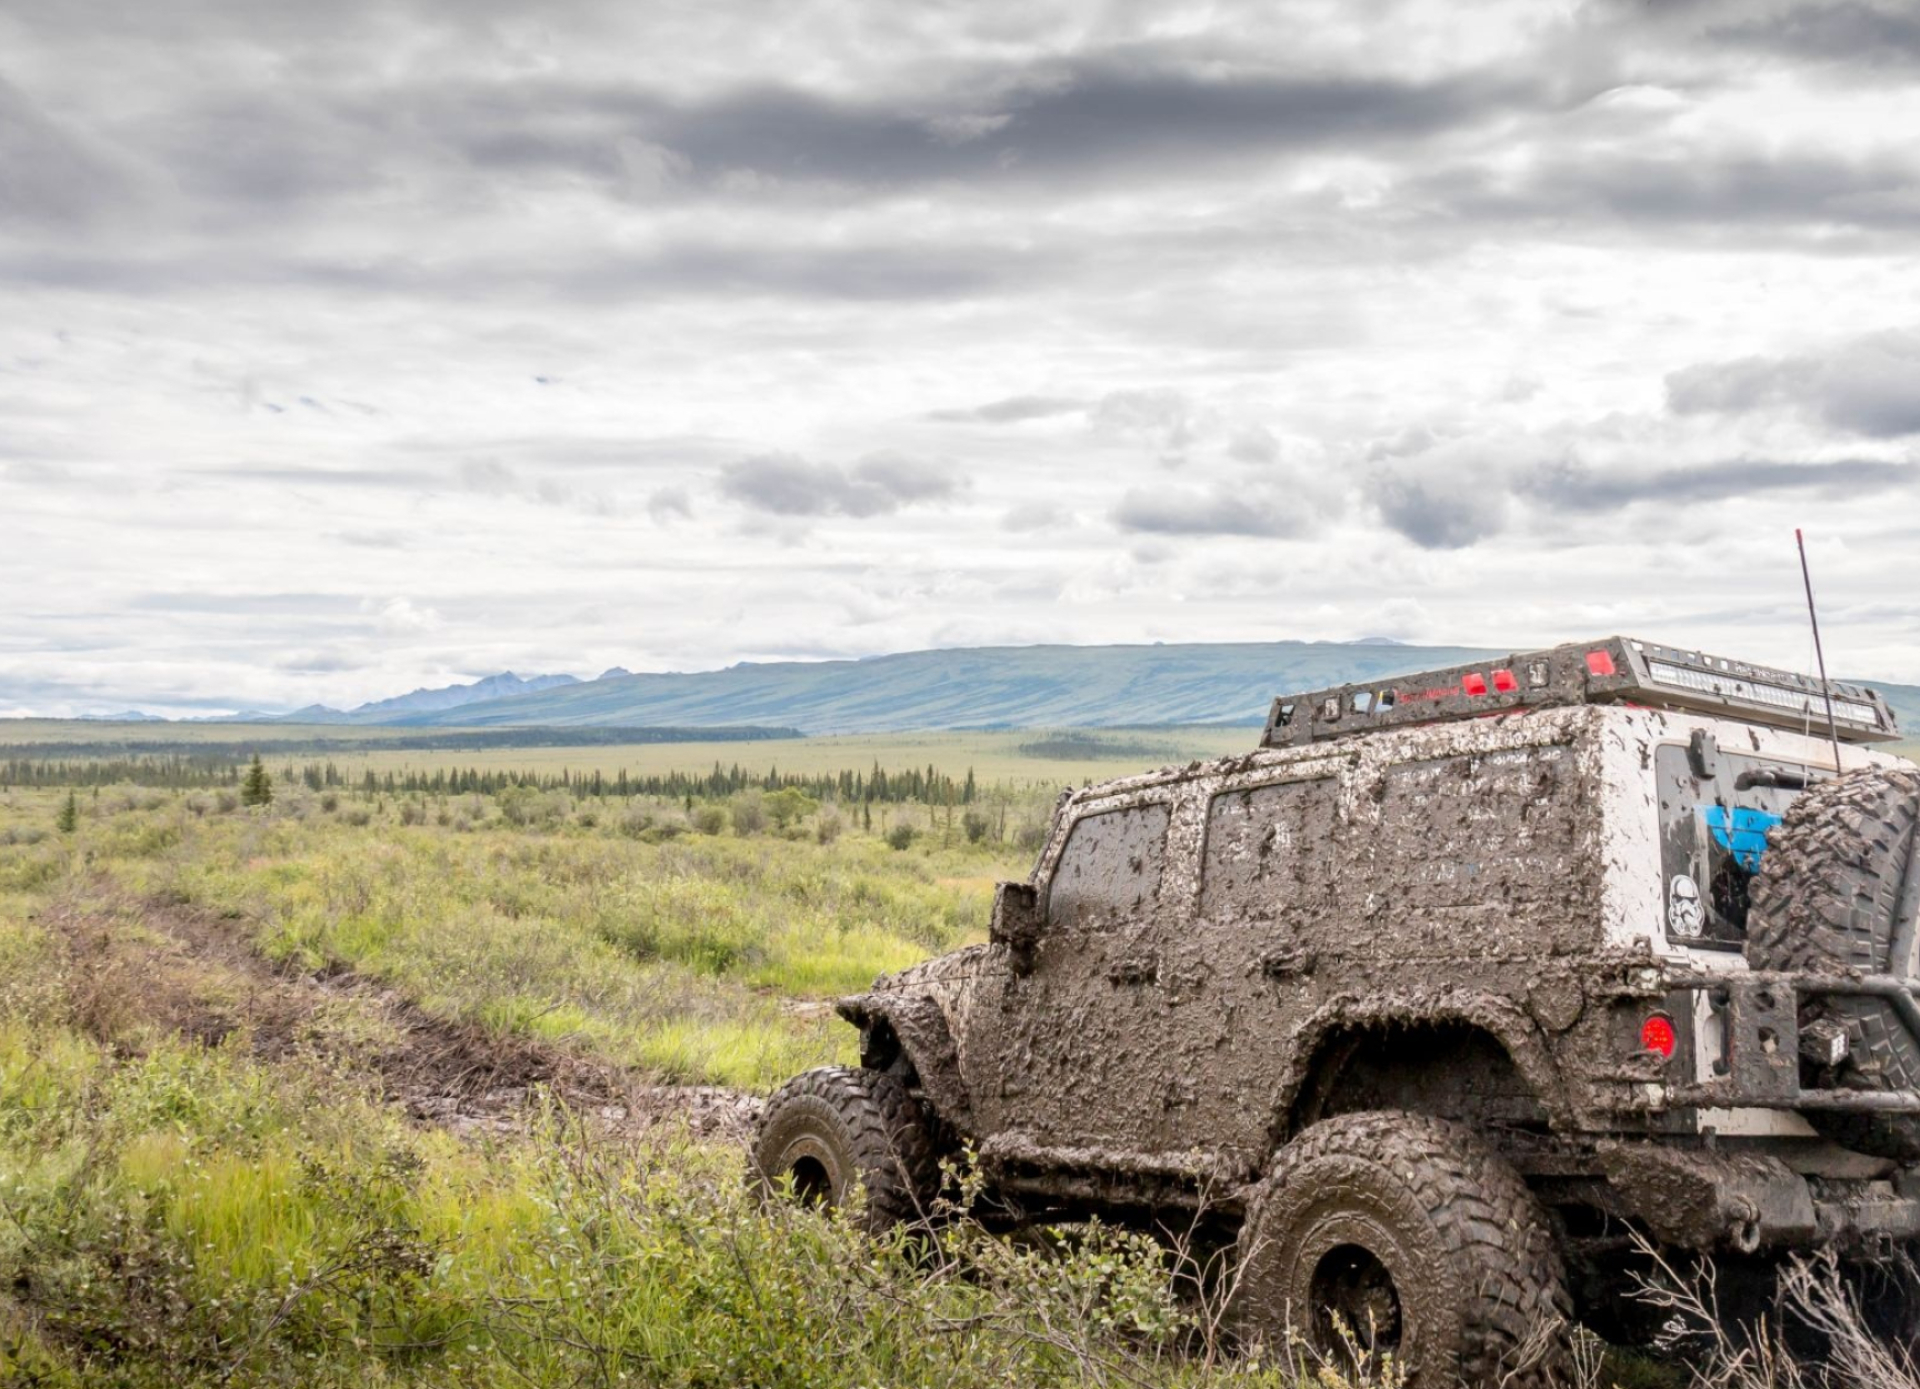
(1797, 701)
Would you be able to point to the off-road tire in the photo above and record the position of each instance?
(839, 1128)
(1478, 1285)
(1839, 890)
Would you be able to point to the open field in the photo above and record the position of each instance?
(271, 1108)
(376, 1090)
(1026, 759)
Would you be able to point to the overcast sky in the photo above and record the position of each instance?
(356, 346)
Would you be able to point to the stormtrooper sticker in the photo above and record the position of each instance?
(1685, 916)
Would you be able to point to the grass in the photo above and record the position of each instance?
(684, 957)
(184, 1207)
(178, 1213)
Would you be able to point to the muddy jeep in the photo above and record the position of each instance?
(1446, 1002)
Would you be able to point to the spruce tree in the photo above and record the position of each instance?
(257, 789)
(68, 820)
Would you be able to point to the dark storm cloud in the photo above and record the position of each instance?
(1859, 36)
(1073, 117)
(1732, 194)
(1869, 386)
(1573, 487)
(1216, 511)
(783, 485)
(49, 177)
(1443, 510)
(462, 145)
(1012, 410)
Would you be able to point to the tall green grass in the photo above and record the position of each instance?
(679, 953)
(188, 1217)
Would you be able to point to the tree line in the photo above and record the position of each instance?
(926, 785)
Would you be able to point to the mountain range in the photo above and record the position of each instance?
(977, 687)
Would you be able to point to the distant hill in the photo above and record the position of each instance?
(978, 687)
(422, 701)
(505, 685)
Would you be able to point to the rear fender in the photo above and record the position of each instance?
(1348, 1014)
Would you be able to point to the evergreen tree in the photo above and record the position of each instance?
(68, 820)
(258, 787)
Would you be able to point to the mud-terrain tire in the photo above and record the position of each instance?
(1839, 890)
(1419, 1222)
(839, 1128)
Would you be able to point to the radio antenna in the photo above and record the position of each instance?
(1813, 616)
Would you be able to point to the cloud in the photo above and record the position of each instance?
(1160, 417)
(784, 485)
(322, 662)
(1012, 410)
(1866, 386)
(398, 616)
(1571, 486)
(1686, 183)
(1035, 516)
(50, 178)
(1253, 444)
(666, 504)
(1088, 114)
(1443, 509)
(1214, 511)
(1849, 33)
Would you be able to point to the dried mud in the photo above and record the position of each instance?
(137, 967)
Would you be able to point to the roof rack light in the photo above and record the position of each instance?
(1611, 671)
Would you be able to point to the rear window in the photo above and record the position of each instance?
(1716, 816)
(1110, 868)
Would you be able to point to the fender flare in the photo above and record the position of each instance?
(920, 1027)
(1498, 1016)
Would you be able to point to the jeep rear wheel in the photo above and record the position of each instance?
(1396, 1236)
(836, 1130)
(1839, 890)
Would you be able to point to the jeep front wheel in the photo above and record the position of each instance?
(1395, 1237)
(837, 1129)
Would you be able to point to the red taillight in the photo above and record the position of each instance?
(1473, 683)
(1504, 682)
(1656, 1034)
(1600, 662)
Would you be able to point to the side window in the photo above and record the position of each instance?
(1265, 845)
(1110, 868)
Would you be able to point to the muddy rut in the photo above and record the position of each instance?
(186, 971)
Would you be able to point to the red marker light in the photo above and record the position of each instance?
(1504, 682)
(1600, 662)
(1656, 1034)
(1474, 684)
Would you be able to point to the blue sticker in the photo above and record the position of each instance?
(1741, 832)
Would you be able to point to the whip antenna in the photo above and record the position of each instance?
(1813, 616)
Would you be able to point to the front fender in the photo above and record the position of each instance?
(920, 1027)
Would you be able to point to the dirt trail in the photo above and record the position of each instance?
(190, 972)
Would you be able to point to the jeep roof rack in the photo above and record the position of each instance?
(1616, 670)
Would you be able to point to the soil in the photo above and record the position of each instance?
(144, 966)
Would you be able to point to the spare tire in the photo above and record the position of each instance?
(1839, 890)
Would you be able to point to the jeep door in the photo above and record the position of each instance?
(1067, 1053)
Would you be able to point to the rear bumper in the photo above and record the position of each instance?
(1705, 1200)
(1758, 1062)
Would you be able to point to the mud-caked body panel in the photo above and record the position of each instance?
(1470, 919)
